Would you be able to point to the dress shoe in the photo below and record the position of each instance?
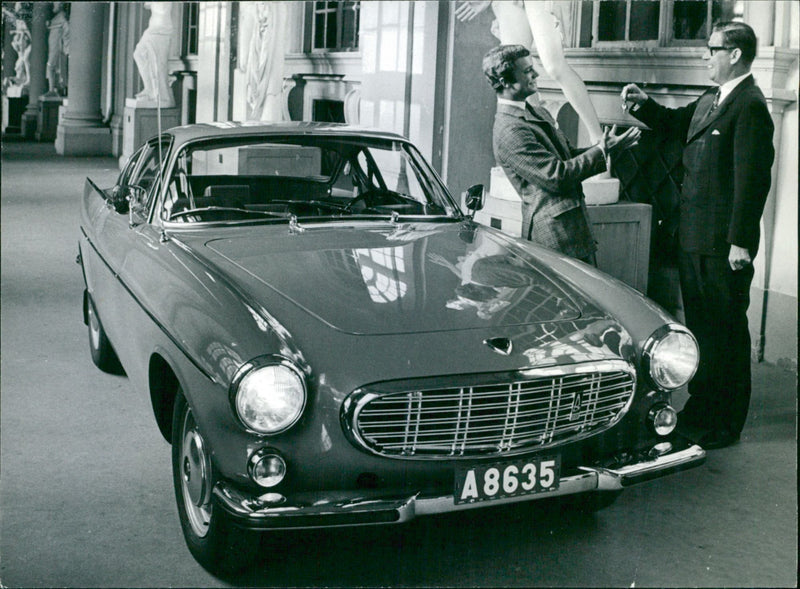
(714, 440)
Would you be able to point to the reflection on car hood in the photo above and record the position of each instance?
(410, 278)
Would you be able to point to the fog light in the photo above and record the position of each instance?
(664, 419)
(266, 468)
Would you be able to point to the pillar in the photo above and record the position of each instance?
(81, 130)
(214, 66)
(761, 16)
(38, 64)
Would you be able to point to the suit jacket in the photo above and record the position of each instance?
(727, 158)
(547, 173)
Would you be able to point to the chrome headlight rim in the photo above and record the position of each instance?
(650, 346)
(256, 364)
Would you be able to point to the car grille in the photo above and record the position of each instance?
(492, 419)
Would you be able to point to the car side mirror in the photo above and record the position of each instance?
(474, 199)
(117, 199)
(137, 204)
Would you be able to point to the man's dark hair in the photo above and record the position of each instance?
(498, 64)
(740, 35)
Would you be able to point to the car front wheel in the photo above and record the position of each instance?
(218, 545)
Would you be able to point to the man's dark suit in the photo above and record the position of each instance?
(727, 159)
(547, 172)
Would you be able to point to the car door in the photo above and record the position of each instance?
(116, 237)
(103, 243)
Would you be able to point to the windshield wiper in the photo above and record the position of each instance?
(198, 210)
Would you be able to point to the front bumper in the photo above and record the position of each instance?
(271, 511)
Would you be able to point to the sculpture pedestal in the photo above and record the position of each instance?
(13, 108)
(601, 190)
(140, 123)
(47, 121)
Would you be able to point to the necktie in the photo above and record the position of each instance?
(715, 104)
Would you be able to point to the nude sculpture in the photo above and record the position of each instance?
(21, 43)
(529, 24)
(151, 55)
(262, 39)
(57, 51)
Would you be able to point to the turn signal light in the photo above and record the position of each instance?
(663, 419)
(266, 468)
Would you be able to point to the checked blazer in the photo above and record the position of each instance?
(547, 173)
(727, 157)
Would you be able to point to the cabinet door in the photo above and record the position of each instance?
(622, 231)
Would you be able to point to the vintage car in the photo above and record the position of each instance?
(328, 339)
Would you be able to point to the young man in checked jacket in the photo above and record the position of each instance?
(543, 168)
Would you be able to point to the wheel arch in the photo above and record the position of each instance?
(163, 385)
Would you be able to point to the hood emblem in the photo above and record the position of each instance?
(501, 345)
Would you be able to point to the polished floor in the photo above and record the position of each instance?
(86, 494)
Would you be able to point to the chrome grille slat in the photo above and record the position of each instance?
(494, 419)
(598, 404)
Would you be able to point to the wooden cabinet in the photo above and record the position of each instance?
(622, 231)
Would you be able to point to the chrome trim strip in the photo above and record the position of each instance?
(264, 512)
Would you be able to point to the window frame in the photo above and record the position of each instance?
(665, 28)
(189, 28)
(310, 24)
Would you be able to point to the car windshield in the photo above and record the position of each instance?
(307, 178)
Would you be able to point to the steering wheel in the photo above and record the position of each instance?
(369, 197)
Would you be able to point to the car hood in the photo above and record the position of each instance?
(375, 279)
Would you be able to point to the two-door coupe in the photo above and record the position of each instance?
(327, 339)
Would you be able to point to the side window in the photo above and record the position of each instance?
(130, 166)
(148, 166)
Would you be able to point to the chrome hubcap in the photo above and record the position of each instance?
(195, 480)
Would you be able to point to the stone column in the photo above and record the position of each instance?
(81, 130)
(38, 65)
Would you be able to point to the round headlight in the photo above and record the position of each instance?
(270, 399)
(671, 356)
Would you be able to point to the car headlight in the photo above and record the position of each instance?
(670, 357)
(268, 395)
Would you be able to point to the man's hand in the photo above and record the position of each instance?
(632, 93)
(613, 143)
(738, 258)
(467, 10)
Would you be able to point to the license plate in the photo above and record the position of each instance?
(507, 479)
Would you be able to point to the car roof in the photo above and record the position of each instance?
(197, 131)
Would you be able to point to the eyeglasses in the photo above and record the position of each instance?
(713, 48)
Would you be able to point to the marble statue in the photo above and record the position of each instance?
(57, 51)
(530, 24)
(262, 43)
(151, 55)
(21, 43)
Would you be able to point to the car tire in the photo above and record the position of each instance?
(219, 546)
(103, 354)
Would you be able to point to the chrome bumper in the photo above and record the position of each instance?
(272, 511)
